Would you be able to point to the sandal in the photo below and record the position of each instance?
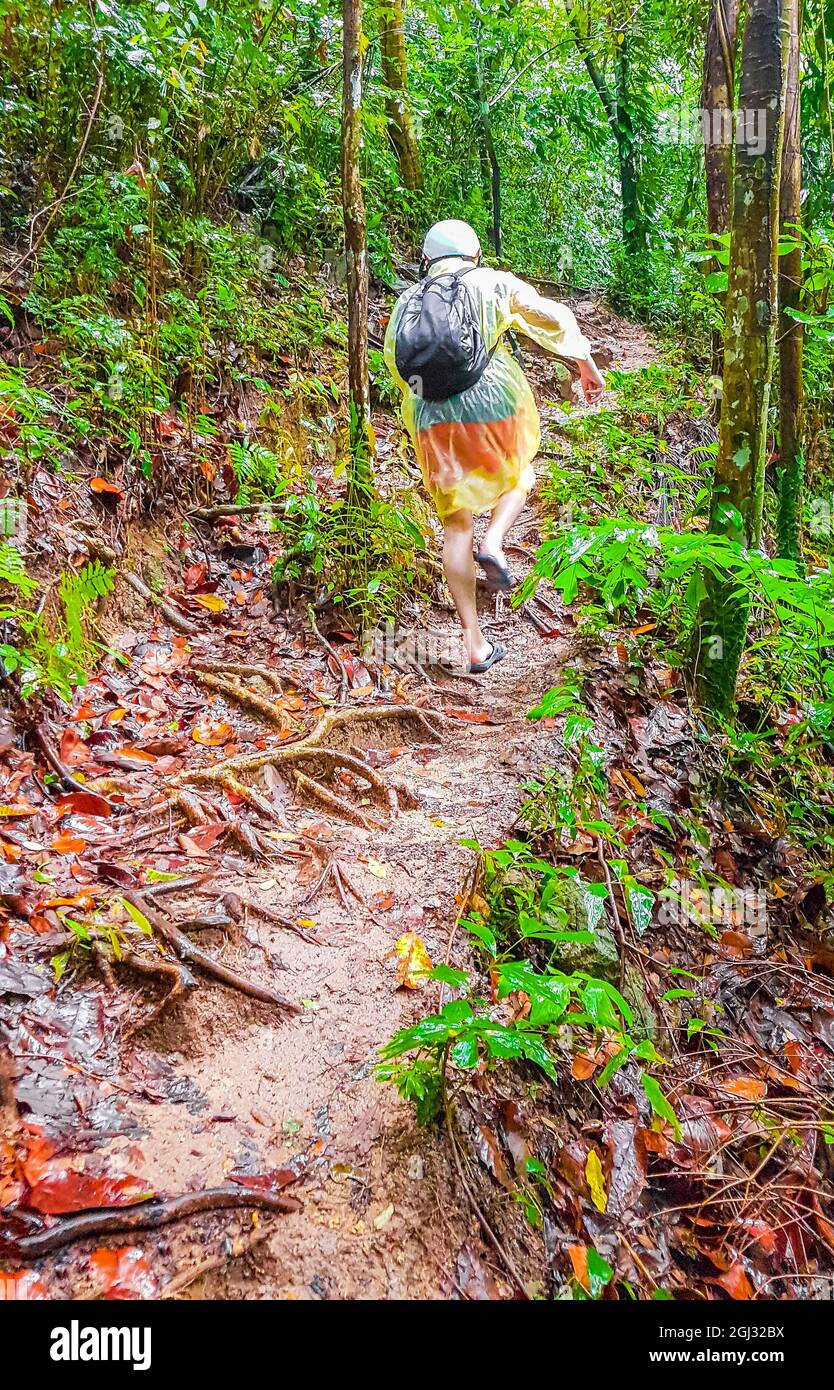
(498, 575)
(477, 668)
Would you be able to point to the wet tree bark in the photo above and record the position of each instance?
(397, 106)
(356, 244)
(717, 101)
(791, 468)
(749, 344)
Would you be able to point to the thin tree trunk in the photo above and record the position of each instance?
(791, 460)
(620, 123)
(749, 342)
(717, 101)
(356, 247)
(489, 154)
(398, 109)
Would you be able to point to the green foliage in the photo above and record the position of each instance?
(58, 655)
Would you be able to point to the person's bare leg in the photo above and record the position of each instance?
(504, 514)
(459, 568)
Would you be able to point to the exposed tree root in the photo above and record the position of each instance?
(186, 951)
(222, 668)
(335, 803)
(250, 700)
(143, 1216)
(285, 753)
(237, 906)
(169, 613)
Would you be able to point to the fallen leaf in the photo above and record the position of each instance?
(24, 1284)
(596, 1180)
(748, 1087)
(381, 1221)
(213, 602)
(18, 809)
(735, 1282)
(414, 961)
(67, 843)
(212, 735)
(104, 485)
(124, 1273)
(84, 804)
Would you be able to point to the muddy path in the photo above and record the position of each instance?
(225, 1085)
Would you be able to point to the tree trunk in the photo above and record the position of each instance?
(618, 115)
(791, 460)
(749, 341)
(489, 155)
(634, 227)
(356, 247)
(395, 76)
(717, 101)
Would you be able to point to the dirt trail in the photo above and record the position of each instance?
(238, 1088)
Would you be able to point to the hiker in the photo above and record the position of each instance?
(468, 406)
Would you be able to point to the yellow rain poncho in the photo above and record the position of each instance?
(478, 445)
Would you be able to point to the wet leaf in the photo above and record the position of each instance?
(84, 804)
(596, 1180)
(749, 1087)
(67, 843)
(414, 961)
(212, 735)
(736, 1283)
(124, 1273)
(212, 602)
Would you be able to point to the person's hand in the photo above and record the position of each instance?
(592, 380)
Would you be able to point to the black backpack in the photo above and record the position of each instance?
(439, 347)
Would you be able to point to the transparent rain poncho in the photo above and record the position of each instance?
(478, 445)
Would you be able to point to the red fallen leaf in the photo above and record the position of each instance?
(471, 716)
(85, 900)
(736, 1283)
(104, 485)
(748, 1087)
(266, 1182)
(63, 1189)
(761, 1235)
(40, 924)
(124, 1273)
(194, 575)
(74, 752)
(69, 844)
(24, 1284)
(84, 804)
(202, 837)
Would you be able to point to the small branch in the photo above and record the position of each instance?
(143, 1216)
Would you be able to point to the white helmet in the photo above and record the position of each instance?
(451, 238)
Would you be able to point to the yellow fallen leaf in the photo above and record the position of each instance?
(596, 1181)
(213, 602)
(377, 869)
(414, 961)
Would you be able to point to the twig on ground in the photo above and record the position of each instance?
(142, 1216)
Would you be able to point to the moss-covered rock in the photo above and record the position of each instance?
(585, 913)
